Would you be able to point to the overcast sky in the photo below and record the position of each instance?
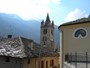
(60, 11)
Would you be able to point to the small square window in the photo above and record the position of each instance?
(7, 59)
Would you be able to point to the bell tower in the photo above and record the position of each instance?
(47, 33)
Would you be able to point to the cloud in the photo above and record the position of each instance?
(56, 1)
(27, 8)
(75, 14)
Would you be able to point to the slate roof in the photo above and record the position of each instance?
(78, 21)
(20, 47)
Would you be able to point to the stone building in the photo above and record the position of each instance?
(47, 33)
(74, 42)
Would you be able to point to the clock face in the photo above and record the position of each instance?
(81, 32)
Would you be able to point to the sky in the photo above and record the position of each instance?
(60, 11)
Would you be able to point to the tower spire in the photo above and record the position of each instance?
(47, 22)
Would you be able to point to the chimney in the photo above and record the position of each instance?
(9, 36)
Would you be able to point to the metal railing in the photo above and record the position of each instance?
(78, 59)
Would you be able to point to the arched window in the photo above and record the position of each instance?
(80, 32)
(42, 64)
(45, 31)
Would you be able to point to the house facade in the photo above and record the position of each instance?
(74, 40)
(25, 53)
(42, 62)
(10, 62)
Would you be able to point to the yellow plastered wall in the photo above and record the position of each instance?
(70, 44)
(36, 62)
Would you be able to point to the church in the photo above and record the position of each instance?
(20, 52)
(75, 43)
(47, 33)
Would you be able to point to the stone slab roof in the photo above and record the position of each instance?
(21, 48)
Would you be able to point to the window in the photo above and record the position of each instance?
(46, 64)
(80, 33)
(44, 38)
(52, 62)
(45, 31)
(42, 64)
(38, 64)
(52, 32)
(44, 43)
(16, 61)
(7, 59)
(28, 61)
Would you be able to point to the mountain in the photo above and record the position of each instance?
(11, 24)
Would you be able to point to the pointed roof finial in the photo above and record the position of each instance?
(47, 20)
(89, 16)
(42, 23)
(52, 23)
